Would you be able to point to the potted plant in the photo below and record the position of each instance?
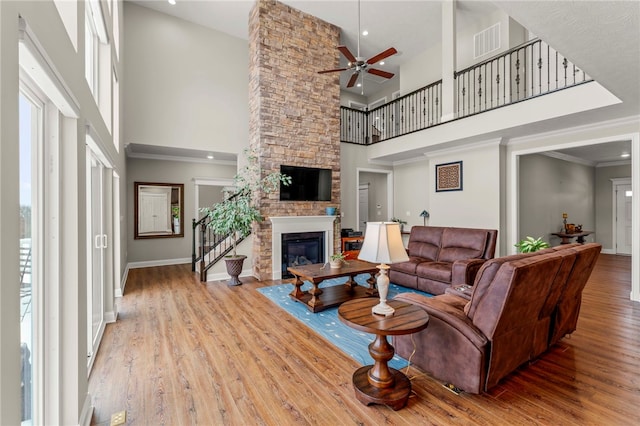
(530, 244)
(236, 214)
(401, 222)
(337, 259)
(175, 213)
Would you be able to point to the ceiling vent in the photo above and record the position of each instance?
(486, 41)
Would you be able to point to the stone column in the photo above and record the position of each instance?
(294, 112)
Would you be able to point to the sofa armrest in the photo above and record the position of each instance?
(460, 290)
(448, 309)
(464, 271)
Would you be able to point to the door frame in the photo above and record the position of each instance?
(513, 199)
(615, 183)
(390, 197)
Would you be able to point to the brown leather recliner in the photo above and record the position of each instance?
(518, 305)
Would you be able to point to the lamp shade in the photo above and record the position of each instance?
(383, 243)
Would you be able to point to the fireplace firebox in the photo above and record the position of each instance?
(301, 248)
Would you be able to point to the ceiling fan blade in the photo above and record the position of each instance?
(334, 70)
(347, 53)
(353, 79)
(380, 73)
(380, 56)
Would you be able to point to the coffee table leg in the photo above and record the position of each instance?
(297, 291)
(372, 290)
(351, 283)
(315, 293)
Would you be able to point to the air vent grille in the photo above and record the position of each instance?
(486, 41)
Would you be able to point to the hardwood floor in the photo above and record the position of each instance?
(183, 352)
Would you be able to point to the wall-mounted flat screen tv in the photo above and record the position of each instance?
(307, 184)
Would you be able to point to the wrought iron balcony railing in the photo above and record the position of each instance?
(524, 72)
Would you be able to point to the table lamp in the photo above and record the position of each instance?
(383, 244)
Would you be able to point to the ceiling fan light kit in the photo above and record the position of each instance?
(356, 63)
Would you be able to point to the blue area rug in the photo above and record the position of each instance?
(326, 323)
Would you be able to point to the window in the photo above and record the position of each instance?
(30, 116)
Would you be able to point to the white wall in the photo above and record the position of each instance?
(411, 191)
(478, 204)
(142, 170)
(186, 85)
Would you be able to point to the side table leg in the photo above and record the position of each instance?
(381, 351)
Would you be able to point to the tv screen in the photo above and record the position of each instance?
(307, 184)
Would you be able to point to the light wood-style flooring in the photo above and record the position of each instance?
(187, 353)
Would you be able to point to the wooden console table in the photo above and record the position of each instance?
(566, 238)
(378, 383)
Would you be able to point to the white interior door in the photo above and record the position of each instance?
(623, 219)
(363, 207)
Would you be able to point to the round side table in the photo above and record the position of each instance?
(378, 383)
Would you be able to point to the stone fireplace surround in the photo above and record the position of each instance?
(288, 224)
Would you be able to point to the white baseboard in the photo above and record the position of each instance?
(222, 276)
(608, 251)
(165, 262)
(110, 317)
(120, 291)
(87, 412)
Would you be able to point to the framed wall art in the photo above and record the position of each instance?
(449, 176)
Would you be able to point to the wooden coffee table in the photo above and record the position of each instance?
(334, 295)
(377, 383)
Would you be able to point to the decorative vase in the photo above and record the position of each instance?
(234, 268)
(335, 264)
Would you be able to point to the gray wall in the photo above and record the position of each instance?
(604, 202)
(141, 170)
(549, 187)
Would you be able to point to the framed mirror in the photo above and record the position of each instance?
(159, 210)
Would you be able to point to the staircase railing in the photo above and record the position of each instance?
(531, 69)
(208, 247)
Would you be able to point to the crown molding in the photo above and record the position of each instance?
(570, 158)
(182, 159)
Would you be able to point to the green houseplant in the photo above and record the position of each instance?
(337, 259)
(530, 244)
(235, 215)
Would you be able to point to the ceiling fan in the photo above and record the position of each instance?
(357, 64)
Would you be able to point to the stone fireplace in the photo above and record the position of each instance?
(294, 119)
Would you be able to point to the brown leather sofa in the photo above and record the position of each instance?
(442, 256)
(519, 306)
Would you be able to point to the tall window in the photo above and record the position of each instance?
(30, 113)
(91, 55)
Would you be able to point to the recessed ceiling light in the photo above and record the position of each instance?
(381, 62)
(625, 155)
(365, 33)
(210, 157)
(359, 85)
(172, 2)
